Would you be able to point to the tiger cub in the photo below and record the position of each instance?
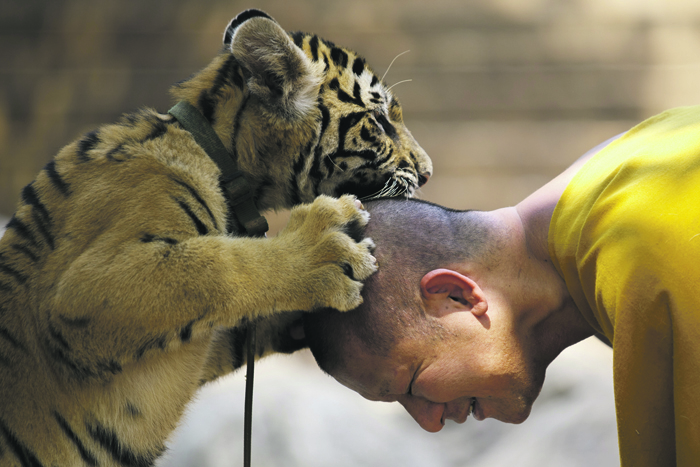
(124, 282)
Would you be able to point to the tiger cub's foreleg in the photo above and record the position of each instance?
(191, 288)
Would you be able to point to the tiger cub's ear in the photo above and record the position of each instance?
(277, 71)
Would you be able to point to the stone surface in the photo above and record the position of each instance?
(302, 417)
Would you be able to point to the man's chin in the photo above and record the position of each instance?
(519, 418)
(513, 415)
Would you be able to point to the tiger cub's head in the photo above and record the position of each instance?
(305, 117)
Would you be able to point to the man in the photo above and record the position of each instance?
(469, 308)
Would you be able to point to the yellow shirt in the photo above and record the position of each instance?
(625, 236)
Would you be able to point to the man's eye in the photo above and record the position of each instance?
(410, 385)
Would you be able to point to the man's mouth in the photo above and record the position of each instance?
(472, 406)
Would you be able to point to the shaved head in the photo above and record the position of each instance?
(413, 237)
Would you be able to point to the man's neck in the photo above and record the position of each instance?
(528, 293)
(562, 325)
(536, 210)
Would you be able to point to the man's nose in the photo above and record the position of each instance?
(429, 415)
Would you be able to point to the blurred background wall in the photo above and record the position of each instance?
(504, 95)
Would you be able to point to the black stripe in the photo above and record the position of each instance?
(298, 38)
(226, 74)
(199, 199)
(356, 98)
(237, 127)
(295, 192)
(300, 161)
(388, 128)
(234, 73)
(6, 362)
(111, 366)
(114, 151)
(325, 119)
(30, 198)
(110, 442)
(339, 57)
(297, 171)
(357, 94)
(199, 225)
(132, 410)
(344, 126)
(186, 332)
(148, 238)
(43, 229)
(159, 129)
(365, 135)
(358, 66)
(315, 172)
(237, 338)
(26, 251)
(231, 70)
(152, 343)
(329, 44)
(375, 80)
(21, 229)
(330, 164)
(78, 323)
(88, 142)
(18, 276)
(80, 371)
(5, 334)
(131, 119)
(86, 455)
(56, 179)
(367, 155)
(26, 457)
(58, 337)
(207, 104)
(240, 19)
(313, 45)
(379, 161)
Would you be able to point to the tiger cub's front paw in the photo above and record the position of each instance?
(329, 254)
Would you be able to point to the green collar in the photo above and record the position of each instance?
(233, 180)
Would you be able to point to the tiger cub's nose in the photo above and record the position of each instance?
(423, 178)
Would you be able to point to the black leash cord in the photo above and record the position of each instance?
(249, 375)
(240, 194)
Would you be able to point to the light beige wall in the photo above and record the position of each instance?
(504, 93)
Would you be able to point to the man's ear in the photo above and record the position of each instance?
(449, 285)
(277, 71)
